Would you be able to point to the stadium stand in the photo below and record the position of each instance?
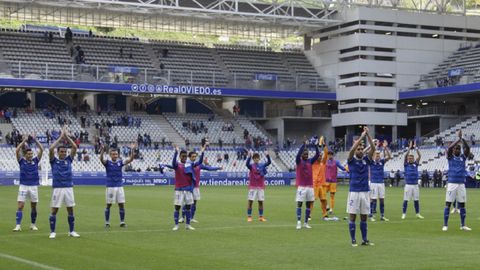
(252, 129)
(189, 63)
(212, 128)
(106, 51)
(39, 122)
(35, 52)
(466, 58)
(129, 132)
(470, 126)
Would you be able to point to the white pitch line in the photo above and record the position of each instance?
(201, 229)
(25, 261)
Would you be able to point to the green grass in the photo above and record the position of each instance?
(224, 240)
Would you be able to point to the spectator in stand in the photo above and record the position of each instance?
(245, 133)
(219, 158)
(248, 143)
(164, 142)
(90, 34)
(391, 176)
(220, 143)
(79, 156)
(121, 52)
(398, 176)
(234, 110)
(472, 139)
(86, 157)
(187, 143)
(164, 53)
(130, 53)
(425, 178)
(226, 157)
(77, 141)
(8, 116)
(50, 37)
(68, 36)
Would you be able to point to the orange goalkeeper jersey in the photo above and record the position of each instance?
(319, 169)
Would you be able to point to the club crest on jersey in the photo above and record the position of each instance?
(364, 162)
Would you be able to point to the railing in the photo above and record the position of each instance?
(428, 110)
(442, 82)
(298, 113)
(97, 73)
(443, 110)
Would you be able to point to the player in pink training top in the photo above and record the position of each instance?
(304, 182)
(331, 178)
(256, 185)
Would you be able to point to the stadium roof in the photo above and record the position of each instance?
(248, 18)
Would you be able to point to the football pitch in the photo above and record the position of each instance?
(224, 240)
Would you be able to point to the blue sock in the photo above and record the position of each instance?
(463, 214)
(53, 221)
(351, 228)
(176, 214)
(193, 210)
(19, 216)
(417, 206)
(299, 213)
(71, 222)
(371, 209)
(374, 206)
(188, 215)
(363, 229)
(183, 211)
(249, 212)
(122, 214)
(33, 216)
(260, 212)
(107, 215)
(382, 208)
(405, 204)
(307, 214)
(446, 215)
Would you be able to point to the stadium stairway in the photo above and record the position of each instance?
(469, 124)
(287, 65)
(5, 128)
(152, 55)
(281, 166)
(220, 63)
(172, 135)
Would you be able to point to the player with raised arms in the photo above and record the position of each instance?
(114, 182)
(331, 172)
(62, 182)
(319, 179)
(29, 182)
(411, 181)
(456, 180)
(377, 182)
(184, 184)
(196, 190)
(358, 202)
(304, 182)
(256, 183)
